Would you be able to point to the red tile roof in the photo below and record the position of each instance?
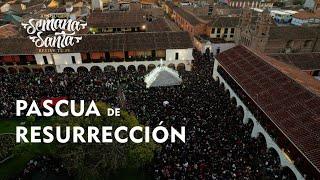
(108, 42)
(304, 61)
(291, 107)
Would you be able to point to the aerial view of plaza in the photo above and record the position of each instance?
(160, 89)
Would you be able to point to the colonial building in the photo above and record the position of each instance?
(186, 20)
(223, 27)
(307, 62)
(126, 22)
(280, 101)
(210, 33)
(121, 50)
(260, 32)
(250, 4)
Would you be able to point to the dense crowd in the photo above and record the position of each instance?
(218, 145)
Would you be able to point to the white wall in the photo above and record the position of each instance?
(184, 54)
(222, 46)
(66, 58)
(40, 59)
(97, 4)
(5, 8)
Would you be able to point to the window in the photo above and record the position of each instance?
(231, 36)
(218, 30)
(73, 59)
(45, 60)
(212, 30)
(232, 30)
(226, 30)
(177, 56)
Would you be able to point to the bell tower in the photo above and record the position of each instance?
(262, 29)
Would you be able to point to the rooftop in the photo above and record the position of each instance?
(225, 21)
(116, 19)
(191, 18)
(307, 15)
(108, 42)
(304, 61)
(8, 30)
(276, 88)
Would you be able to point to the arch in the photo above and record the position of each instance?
(221, 86)
(49, 69)
(142, 68)
(68, 70)
(121, 68)
(37, 70)
(217, 79)
(3, 71)
(82, 69)
(181, 67)
(227, 92)
(109, 69)
(240, 112)
(24, 70)
(275, 156)
(151, 67)
(172, 66)
(249, 126)
(287, 173)
(12, 70)
(131, 68)
(262, 140)
(233, 101)
(95, 69)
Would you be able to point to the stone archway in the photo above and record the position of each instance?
(95, 69)
(142, 68)
(172, 66)
(132, 68)
(227, 92)
(24, 69)
(82, 69)
(12, 70)
(68, 70)
(151, 67)
(233, 101)
(121, 68)
(37, 70)
(240, 112)
(181, 67)
(109, 69)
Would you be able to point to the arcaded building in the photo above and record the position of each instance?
(117, 50)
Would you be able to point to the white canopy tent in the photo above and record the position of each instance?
(162, 76)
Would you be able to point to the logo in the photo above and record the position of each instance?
(54, 33)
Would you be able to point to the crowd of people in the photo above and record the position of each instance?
(218, 145)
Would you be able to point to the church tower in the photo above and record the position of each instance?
(262, 30)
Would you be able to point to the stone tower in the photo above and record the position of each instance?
(261, 31)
